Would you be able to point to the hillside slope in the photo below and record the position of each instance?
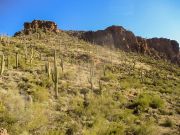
(119, 37)
(54, 84)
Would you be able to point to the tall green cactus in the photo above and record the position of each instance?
(31, 55)
(55, 75)
(104, 70)
(141, 71)
(91, 77)
(7, 61)
(48, 69)
(2, 64)
(100, 84)
(25, 53)
(17, 60)
(62, 63)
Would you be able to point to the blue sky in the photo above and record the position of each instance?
(147, 18)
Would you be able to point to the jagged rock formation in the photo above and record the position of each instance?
(118, 37)
(32, 27)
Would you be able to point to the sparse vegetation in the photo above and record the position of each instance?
(83, 91)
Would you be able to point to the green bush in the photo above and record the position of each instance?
(156, 102)
(109, 76)
(54, 133)
(144, 129)
(168, 123)
(146, 100)
(40, 94)
(113, 129)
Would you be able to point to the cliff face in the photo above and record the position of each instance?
(118, 37)
(32, 27)
(112, 36)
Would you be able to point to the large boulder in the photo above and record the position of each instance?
(32, 27)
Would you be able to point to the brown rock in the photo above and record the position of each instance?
(32, 27)
(118, 37)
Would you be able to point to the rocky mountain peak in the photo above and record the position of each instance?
(115, 28)
(119, 37)
(32, 27)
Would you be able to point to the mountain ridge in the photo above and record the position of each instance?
(118, 37)
(115, 37)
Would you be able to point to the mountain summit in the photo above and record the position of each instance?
(32, 27)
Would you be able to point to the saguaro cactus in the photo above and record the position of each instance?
(55, 75)
(62, 63)
(2, 64)
(48, 69)
(154, 75)
(17, 60)
(31, 55)
(100, 84)
(25, 53)
(90, 78)
(104, 70)
(141, 71)
(7, 61)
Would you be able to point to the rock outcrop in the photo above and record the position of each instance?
(118, 37)
(32, 27)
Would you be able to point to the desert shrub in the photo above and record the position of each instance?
(118, 96)
(72, 128)
(68, 75)
(54, 132)
(143, 100)
(18, 117)
(45, 81)
(40, 94)
(144, 129)
(130, 82)
(168, 123)
(166, 90)
(76, 105)
(156, 102)
(146, 100)
(113, 129)
(109, 76)
(124, 116)
(25, 86)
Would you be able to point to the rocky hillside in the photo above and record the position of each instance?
(118, 37)
(52, 83)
